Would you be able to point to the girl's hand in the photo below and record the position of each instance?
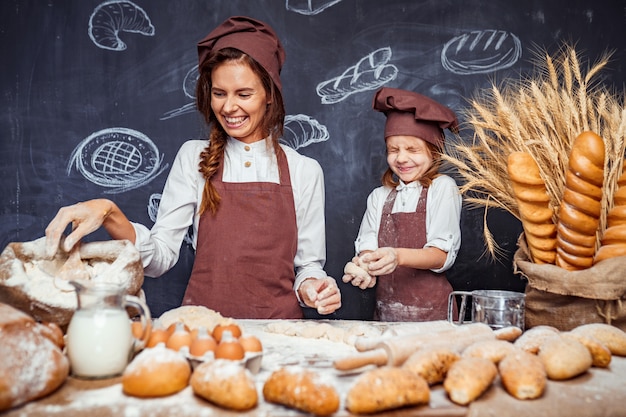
(357, 275)
(382, 261)
(322, 294)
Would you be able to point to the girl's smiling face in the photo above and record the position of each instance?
(408, 157)
(239, 101)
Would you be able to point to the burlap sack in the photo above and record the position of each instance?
(28, 279)
(566, 299)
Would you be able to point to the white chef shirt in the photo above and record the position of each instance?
(159, 247)
(443, 215)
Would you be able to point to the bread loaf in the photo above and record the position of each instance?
(614, 238)
(494, 350)
(534, 207)
(225, 383)
(156, 372)
(600, 354)
(468, 379)
(386, 388)
(564, 357)
(431, 364)
(580, 208)
(302, 389)
(610, 336)
(531, 340)
(523, 375)
(31, 364)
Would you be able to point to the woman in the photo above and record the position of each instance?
(410, 233)
(256, 207)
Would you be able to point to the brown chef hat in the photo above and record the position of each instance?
(250, 36)
(413, 114)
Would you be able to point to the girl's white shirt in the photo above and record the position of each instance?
(443, 215)
(160, 246)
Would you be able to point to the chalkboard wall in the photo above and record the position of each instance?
(97, 96)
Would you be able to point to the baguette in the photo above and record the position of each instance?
(581, 204)
(468, 379)
(533, 204)
(614, 239)
(523, 375)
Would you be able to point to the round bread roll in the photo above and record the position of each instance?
(156, 372)
(225, 383)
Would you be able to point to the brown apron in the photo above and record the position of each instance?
(244, 258)
(409, 294)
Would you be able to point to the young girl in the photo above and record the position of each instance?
(410, 233)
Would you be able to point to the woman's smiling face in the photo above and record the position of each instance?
(408, 157)
(239, 101)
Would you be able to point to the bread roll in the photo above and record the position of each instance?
(600, 354)
(494, 350)
(564, 358)
(431, 364)
(531, 339)
(523, 375)
(534, 207)
(509, 333)
(614, 238)
(31, 364)
(468, 379)
(386, 388)
(156, 372)
(580, 208)
(302, 389)
(610, 336)
(225, 383)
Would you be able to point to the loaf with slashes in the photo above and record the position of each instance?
(533, 203)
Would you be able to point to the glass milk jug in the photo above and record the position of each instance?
(99, 338)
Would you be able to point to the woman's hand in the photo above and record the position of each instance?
(322, 294)
(357, 273)
(382, 261)
(85, 217)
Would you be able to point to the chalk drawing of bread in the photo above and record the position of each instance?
(302, 130)
(189, 88)
(481, 51)
(117, 158)
(309, 7)
(371, 72)
(112, 17)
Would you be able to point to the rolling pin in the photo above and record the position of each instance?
(394, 351)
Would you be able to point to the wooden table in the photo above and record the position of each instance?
(599, 392)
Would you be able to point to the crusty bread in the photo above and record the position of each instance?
(523, 375)
(600, 354)
(302, 389)
(31, 363)
(564, 357)
(580, 208)
(534, 207)
(612, 337)
(386, 388)
(531, 340)
(469, 378)
(156, 372)
(494, 350)
(431, 364)
(225, 383)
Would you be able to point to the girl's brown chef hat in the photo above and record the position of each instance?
(412, 114)
(250, 36)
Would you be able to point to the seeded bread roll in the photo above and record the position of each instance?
(386, 388)
(534, 207)
(469, 378)
(581, 204)
(523, 375)
(225, 383)
(614, 238)
(302, 389)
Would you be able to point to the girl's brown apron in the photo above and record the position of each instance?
(244, 258)
(409, 294)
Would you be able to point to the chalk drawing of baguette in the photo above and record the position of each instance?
(112, 17)
(371, 72)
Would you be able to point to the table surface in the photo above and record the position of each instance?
(598, 392)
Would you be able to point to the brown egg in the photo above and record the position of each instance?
(157, 336)
(233, 328)
(251, 343)
(172, 327)
(138, 330)
(179, 339)
(202, 343)
(229, 348)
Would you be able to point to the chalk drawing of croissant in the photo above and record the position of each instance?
(309, 7)
(112, 17)
(371, 72)
(301, 131)
(481, 51)
(189, 87)
(117, 158)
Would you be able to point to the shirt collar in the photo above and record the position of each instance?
(410, 185)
